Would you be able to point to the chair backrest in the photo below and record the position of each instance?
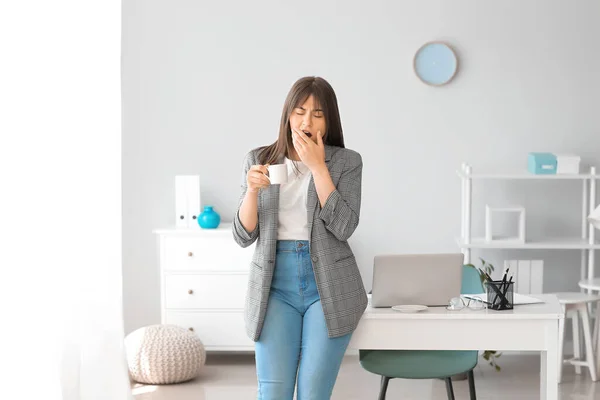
(471, 281)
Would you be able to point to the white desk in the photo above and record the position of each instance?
(526, 328)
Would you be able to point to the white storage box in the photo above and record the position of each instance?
(567, 164)
(490, 235)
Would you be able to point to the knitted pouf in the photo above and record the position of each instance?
(162, 354)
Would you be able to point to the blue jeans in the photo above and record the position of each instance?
(294, 341)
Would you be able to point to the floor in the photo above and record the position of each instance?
(226, 377)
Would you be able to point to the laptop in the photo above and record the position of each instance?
(423, 279)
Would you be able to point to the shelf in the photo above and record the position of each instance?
(526, 175)
(541, 244)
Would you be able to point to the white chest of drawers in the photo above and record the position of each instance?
(203, 279)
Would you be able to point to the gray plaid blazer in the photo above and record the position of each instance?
(339, 282)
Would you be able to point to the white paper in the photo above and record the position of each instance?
(518, 299)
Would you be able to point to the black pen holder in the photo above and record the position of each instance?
(500, 295)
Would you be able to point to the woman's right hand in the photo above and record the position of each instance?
(257, 178)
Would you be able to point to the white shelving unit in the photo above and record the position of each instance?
(587, 242)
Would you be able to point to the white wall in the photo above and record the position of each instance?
(203, 82)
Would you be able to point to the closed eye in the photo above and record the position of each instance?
(316, 113)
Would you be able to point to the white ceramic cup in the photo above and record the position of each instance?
(278, 174)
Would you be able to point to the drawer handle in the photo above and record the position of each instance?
(191, 329)
(190, 291)
(190, 254)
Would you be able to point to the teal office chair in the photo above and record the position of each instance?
(426, 364)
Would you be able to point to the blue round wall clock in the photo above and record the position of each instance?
(435, 63)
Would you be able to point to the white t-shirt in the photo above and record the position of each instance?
(293, 219)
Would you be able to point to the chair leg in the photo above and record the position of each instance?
(576, 342)
(471, 378)
(561, 346)
(597, 336)
(384, 385)
(596, 325)
(589, 347)
(449, 388)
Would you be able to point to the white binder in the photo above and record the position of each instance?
(181, 201)
(527, 274)
(193, 201)
(187, 201)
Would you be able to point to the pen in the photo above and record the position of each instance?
(504, 280)
(507, 285)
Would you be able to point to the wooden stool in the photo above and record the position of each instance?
(574, 305)
(594, 286)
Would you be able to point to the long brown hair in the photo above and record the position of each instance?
(325, 99)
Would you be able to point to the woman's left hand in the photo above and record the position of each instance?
(312, 154)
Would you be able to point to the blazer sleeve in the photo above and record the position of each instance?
(240, 234)
(341, 211)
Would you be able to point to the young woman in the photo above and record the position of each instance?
(305, 293)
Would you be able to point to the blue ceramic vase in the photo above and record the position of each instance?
(209, 218)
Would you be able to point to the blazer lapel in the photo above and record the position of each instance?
(312, 199)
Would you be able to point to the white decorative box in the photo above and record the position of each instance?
(491, 236)
(567, 164)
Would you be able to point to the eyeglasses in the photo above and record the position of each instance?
(459, 303)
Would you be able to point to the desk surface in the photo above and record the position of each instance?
(550, 309)
(528, 327)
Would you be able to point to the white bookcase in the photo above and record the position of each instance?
(586, 242)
